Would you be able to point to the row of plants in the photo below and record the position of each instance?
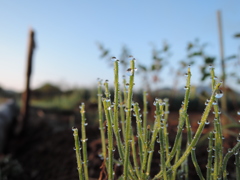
(131, 147)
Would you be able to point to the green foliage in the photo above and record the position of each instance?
(142, 140)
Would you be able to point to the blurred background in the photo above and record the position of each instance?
(69, 34)
(74, 43)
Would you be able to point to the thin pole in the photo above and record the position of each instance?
(26, 95)
(224, 98)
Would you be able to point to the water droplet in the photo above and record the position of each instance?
(238, 138)
(208, 149)
(106, 81)
(150, 151)
(154, 103)
(84, 140)
(218, 93)
(207, 122)
(215, 77)
(74, 128)
(214, 103)
(127, 85)
(135, 69)
(114, 149)
(223, 137)
(193, 148)
(109, 108)
(186, 74)
(206, 103)
(107, 99)
(238, 112)
(113, 59)
(129, 72)
(210, 67)
(165, 100)
(130, 57)
(199, 122)
(185, 88)
(230, 150)
(85, 124)
(219, 112)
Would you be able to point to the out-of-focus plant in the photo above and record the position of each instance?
(196, 52)
(150, 73)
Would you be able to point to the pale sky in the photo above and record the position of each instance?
(67, 32)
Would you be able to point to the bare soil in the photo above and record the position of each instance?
(45, 149)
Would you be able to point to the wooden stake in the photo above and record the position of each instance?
(26, 95)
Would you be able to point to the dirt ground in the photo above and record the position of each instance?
(45, 149)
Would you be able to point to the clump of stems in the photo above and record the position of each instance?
(136, 145)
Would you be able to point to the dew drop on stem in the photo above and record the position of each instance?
(129, 72)
(238, 138)
(214, 103)
(218, 93)
(130, 57)
(74, 128)
(238, 113)
(113, 59)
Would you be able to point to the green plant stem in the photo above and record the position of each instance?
(128, 121)
(122, 114)
(196, 137)
(156, 131)
(78, 153)
(145, 112)
(218, 134)
(107, 110)
(183, 114)
(100, 116)
(162, 153)
(166, 112)
(139, 131)
(136, 167)
(84, 141)
(115, 118)
(226, 158)
(237, 160)
(210, 154)
(193, 152)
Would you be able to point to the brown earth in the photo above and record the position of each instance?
(45, 150)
